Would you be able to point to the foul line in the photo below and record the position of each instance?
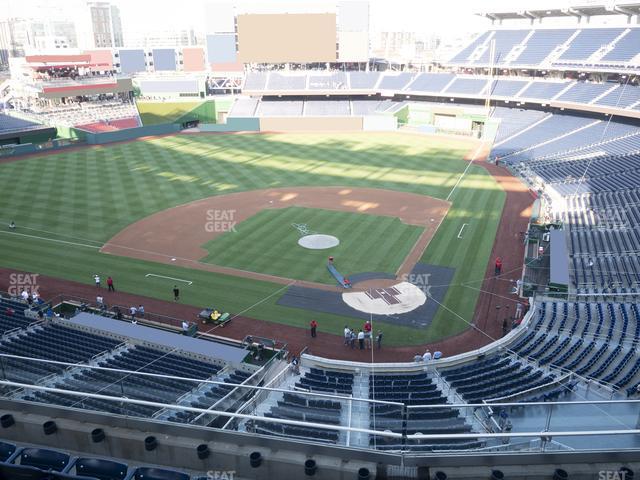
(51, 240)
(475, 154)
(461, 229)
(170, 278)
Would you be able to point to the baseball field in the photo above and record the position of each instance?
(68, 205)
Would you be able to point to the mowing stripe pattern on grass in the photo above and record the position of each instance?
(88, 195)
(267, 243)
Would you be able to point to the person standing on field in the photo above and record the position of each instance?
(498, 269)
(176, 293)
(110, 284)
(367, 333)
(96, 279)
(518, 310)
(314, 326)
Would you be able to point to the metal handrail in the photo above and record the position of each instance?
(530, 390)
(196, 380)
(546, 435)
(13, 331)
(262, 394)
(159, 405)
(233, 391)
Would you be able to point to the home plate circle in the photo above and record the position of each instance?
(318, 241)
(401, 298)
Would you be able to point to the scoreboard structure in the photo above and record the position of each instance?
(287, 38)
(236, 38)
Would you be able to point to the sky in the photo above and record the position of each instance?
(441, 17)
(385, 15)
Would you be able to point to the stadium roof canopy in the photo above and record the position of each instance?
(570, 9)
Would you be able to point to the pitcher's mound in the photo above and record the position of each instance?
(318, 241)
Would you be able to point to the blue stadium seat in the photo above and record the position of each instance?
(101, 469)
(44, 459)
(67, 476)
(6, 450)
(20, 472)
(147, 473)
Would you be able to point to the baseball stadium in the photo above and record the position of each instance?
(273, 255)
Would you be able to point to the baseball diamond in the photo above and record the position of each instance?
(156, 205)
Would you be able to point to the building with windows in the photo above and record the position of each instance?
(101, 25)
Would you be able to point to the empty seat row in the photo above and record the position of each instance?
(30, 463)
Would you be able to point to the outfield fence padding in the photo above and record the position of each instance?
(310, 124)
(234, 124)
(29, 148)
(379, 123)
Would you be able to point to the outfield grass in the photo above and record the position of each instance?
(268, 243)
(86, 196)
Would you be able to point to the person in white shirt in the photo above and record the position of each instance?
(518, 310)
(35, 296)
(96, 278)
(347, 335)
(427, 356)
(24, 295)
(295, 365)
(132, 312)
(99, 300)
(185, 327)
(361, 339)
